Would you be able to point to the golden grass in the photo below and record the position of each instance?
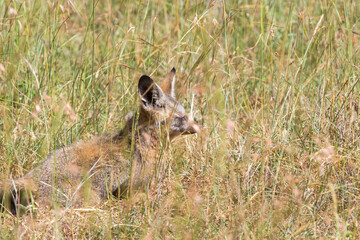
(273, 83)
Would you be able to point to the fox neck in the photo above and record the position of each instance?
(144, 134)
(150, 133)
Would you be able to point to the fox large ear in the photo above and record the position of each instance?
(150, 93)
(168, 84)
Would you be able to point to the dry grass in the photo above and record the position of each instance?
(274, 83)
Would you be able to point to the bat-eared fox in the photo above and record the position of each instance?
(108, 165)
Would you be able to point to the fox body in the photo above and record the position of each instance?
(112, 164)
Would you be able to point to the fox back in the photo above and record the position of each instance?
(90, 171)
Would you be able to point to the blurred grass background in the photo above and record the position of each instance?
(274, 84)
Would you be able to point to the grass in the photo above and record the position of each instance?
(275, 85)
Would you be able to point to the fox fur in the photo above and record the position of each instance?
(91, 171)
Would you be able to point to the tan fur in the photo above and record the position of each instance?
(167, 84)
(89, 171)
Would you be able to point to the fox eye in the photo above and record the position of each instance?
(160, 106)
(182, 118)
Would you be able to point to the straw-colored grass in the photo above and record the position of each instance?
(275, 85)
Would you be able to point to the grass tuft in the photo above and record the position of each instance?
(275, 85)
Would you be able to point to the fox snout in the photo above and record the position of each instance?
(193, 127)
(184, 126)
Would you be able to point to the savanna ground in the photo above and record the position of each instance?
(275, 85)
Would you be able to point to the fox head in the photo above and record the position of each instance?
(159, 105)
